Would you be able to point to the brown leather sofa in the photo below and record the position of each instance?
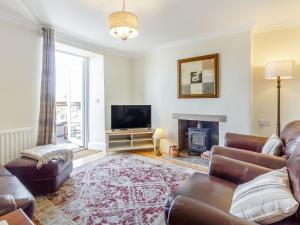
(47, 179)
(206, 199)
(236, 144)
(14, 195)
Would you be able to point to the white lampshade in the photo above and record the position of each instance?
(283, 69)
(159, 133)
(123, 25)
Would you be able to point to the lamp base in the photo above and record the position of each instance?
(158, 153)
(157, 147)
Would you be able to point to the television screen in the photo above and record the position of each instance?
(130, 116)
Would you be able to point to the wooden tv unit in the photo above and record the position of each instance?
(131, 139)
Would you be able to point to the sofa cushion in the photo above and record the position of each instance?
(288, 221)
(273, 146)
(26, 167)
(208, 189)
(266, 199)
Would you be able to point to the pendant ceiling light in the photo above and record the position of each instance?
(123, 24)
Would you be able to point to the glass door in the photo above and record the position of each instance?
(76, 104)
(70, 100)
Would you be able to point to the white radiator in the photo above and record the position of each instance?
(12, 142)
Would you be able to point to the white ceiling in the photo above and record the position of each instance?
(161, 21)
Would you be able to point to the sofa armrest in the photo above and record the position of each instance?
(4, 171)
(245, 142)
(269, 161)
(7, 204)
(234, 170)
(186, 211)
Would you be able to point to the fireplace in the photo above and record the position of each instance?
(197, 136)
(198, 133)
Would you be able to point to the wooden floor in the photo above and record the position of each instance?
(83, 153)
(147, 153)
(151, 154)
(88, 158)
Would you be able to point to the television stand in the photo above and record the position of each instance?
(131, 139)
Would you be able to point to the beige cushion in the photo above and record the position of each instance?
(273, 146)
(266, 199)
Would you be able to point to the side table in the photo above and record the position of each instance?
(17, 217)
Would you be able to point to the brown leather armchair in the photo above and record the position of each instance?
(7, 204)
(236, 144)
(14, 195)
(205, 199)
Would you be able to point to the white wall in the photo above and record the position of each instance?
(96, 104)
(149, 80)
(118, 83)
(138, 74)
(155, 79)
(269, 46)
(20, 69)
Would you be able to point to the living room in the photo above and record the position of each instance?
(133, 112)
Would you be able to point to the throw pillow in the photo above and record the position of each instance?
(266, 199)
(273, 146)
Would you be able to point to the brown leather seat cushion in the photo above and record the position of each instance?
(208, 189)
(26, 167)
(288, 221)
(4, 172)
(23, 198)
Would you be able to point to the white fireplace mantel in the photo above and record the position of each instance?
(200, 117)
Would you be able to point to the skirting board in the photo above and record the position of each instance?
(96, 145)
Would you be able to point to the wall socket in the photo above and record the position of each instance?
(264, 123)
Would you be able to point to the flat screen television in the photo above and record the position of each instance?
(130, 116)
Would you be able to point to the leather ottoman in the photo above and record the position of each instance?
(40, 181)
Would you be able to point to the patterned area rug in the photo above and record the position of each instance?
(120, 189)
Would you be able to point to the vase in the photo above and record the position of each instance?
(174, 151)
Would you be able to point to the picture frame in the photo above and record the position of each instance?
(198, 77)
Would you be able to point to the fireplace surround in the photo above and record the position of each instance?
(205, 125)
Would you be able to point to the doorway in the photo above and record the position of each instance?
(71, 73)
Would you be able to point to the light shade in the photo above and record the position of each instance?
(123, 25)
(159, 133)
(283, 69)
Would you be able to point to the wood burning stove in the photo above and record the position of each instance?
(211, 129)
(199, 140)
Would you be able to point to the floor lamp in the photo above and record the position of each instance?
(279, 70)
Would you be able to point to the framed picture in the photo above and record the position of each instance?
(198, 77)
